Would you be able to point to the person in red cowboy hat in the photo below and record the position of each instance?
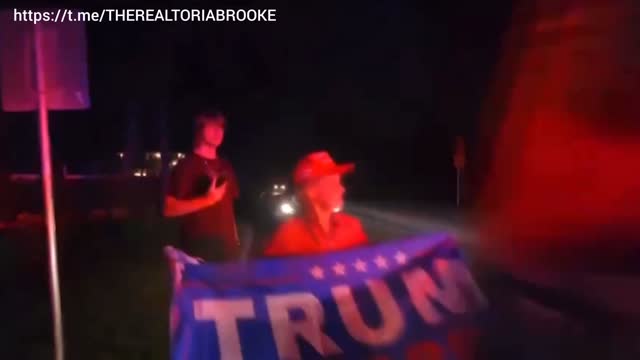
(321, 226)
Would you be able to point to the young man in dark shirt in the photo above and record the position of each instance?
(201, 194)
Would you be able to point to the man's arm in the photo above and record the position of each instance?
(177, 201)
(175, 207)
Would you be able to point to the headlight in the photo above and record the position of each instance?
(286, 208)
(278, 189)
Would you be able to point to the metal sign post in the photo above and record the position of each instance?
(53, 57)
(47, 187)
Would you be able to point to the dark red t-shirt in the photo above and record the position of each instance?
(190, 179)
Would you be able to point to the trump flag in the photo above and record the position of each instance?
(409, 299)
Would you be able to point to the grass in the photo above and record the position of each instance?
(115, 292)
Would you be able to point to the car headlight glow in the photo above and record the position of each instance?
(286, 208)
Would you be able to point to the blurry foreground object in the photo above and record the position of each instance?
(559, 212)
(563, 186)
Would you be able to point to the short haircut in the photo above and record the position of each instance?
(209, 116)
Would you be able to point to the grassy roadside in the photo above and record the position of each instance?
(115, 292)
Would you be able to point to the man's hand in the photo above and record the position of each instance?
(216, 194)
(178, 207)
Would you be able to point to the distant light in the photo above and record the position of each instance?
(283, 187)
(157, 155)
(140, 173)
(180, 156)
(174, 163)
(287, 209)
(275, 187)
(336, 210)
(121, 155)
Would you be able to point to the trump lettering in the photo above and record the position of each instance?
(431, 295)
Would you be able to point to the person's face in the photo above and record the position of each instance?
(327, 192)
(213, 134)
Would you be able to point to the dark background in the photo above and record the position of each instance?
(386, 84)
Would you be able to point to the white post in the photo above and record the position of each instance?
(47, 186)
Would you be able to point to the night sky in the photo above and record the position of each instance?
(387, 84)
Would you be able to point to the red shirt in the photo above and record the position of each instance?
(300, 237)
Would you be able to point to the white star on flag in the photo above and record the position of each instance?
(360, 265)
(401, 258)
(338, 268)
(380, 262)
(317, 272)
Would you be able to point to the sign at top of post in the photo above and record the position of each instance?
(65, 64)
